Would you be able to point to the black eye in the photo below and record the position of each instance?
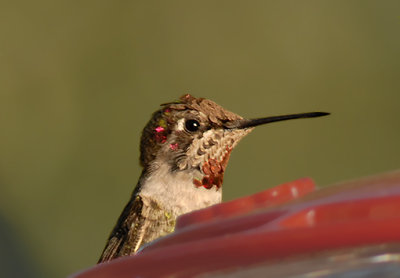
(192, 125)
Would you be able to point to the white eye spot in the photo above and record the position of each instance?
(180, 124)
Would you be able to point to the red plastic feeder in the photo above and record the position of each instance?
(345, 230)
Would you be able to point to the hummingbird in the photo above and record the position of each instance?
(184, 151)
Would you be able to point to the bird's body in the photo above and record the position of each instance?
(185, 149)
(154, 209)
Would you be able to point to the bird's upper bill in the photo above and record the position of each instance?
(230, 120)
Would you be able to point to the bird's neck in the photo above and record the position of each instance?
(175, 192)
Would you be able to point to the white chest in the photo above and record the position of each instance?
(176, 192)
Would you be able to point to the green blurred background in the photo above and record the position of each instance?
(79, 80)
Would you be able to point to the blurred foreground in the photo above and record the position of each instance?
(346, 230)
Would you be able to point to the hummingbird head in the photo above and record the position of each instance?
(197, 135)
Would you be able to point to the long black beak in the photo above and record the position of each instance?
(246, 123)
